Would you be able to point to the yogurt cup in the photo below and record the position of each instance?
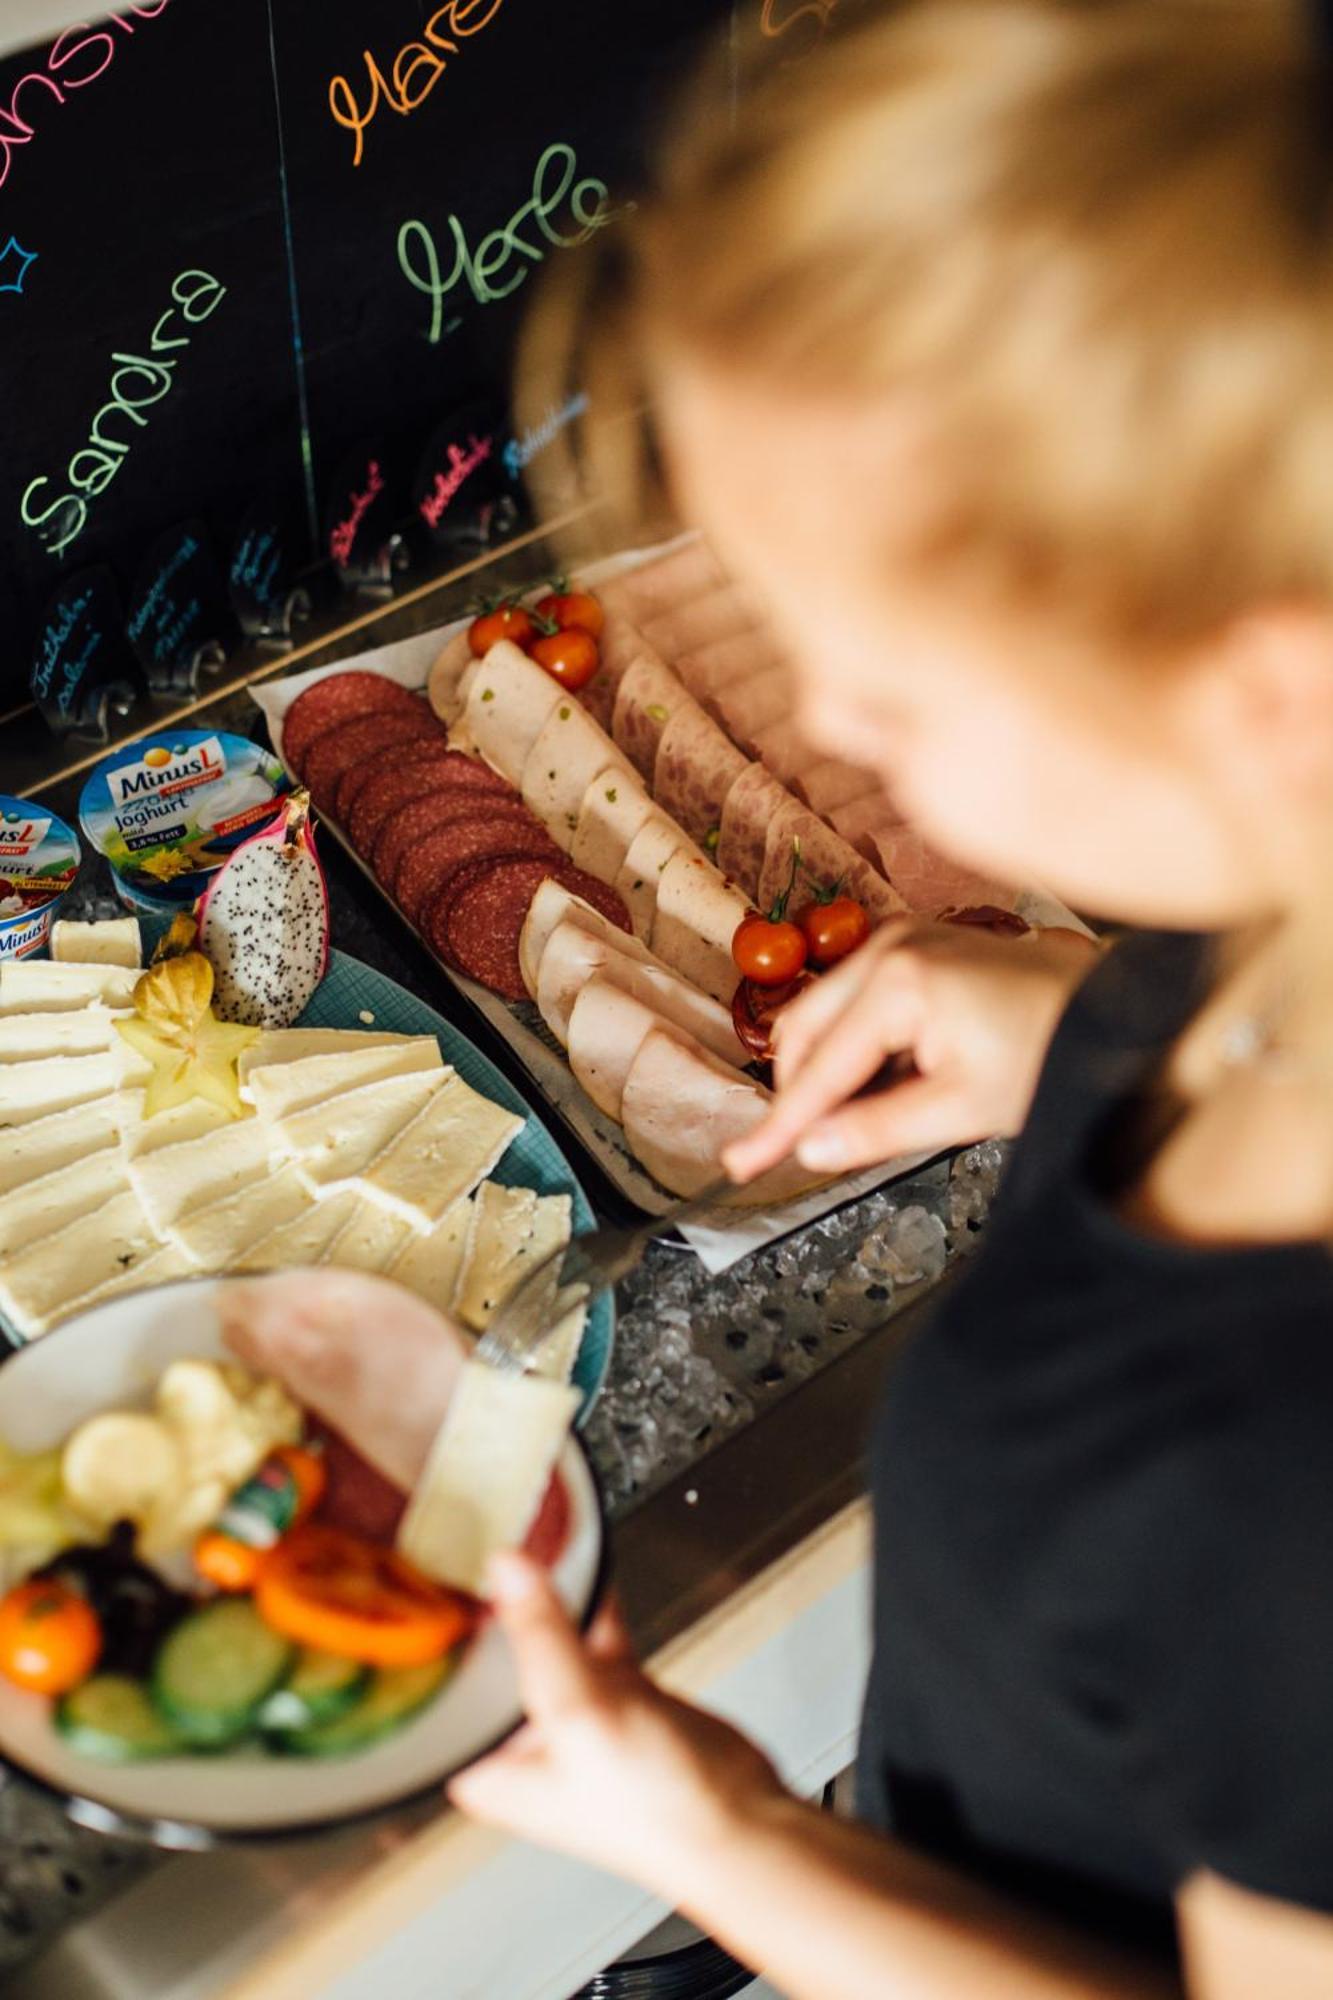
(39, 858)
(167, 810)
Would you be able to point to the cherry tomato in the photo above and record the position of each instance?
(570, 657)
(508, 621)
(49, 1637)
(768, 953)
(833, 930)
(230, 1564)
(321, 1587)
(573, 607)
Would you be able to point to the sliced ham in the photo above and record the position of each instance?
(554, 904)
(607, 1028)
(926, 880)
(826, 861)
(653, 846)
(567, 754)
(443, 684)
(695, 921)
(718, 614)
(697, 764)
(708, 671)
(613, 809)
(690, 571)
(573, 955)
(681, 1107)
(747, 709)
(509, 701)
(647, 694)
(747, 810)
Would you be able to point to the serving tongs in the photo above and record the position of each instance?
(572, 1277)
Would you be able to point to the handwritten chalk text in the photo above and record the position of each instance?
(489, 272)
(138, 381)
(343, 538)
(414, 72)
(521, 451)
(461, 465)
(73, 61)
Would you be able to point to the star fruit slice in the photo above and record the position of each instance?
(173, 1027)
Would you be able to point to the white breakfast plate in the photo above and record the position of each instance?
(112, 1357)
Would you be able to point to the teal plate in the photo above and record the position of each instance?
(348, 993)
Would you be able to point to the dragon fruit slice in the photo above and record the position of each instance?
(264, 922)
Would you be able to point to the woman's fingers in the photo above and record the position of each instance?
(554, 1675)
(880, 1020)
(608, 1639)
(920, 1116)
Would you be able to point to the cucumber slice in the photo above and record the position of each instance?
(212, 1674)
(111, 1717)
(393, 1695)
(320, 1687)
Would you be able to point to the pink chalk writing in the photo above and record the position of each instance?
(73, 61)
(461, 465)
(343, 538)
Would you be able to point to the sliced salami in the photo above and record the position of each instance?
(337, 750)
(478, 931)
(336, 699)
(697, 765)
(426, 867)
(396, 781)
(423, 817)
(357, 777)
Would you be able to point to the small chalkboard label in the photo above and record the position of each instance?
(268, 553)
(179, 622)
(82, 667)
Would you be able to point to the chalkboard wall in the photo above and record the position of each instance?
(253, 253)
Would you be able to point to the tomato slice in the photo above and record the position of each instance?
(322, 1587)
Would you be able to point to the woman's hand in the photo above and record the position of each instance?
(975, 1014)
(607, 1767)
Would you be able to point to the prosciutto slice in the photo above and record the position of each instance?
(697, 764)
(645, 700)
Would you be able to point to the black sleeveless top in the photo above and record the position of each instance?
(1103, 1488)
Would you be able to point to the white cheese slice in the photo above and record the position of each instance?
(115, 941)
(174, 1181)
(35, 1209)
(515, 1231)
(82, 1031)
(71, 1263)
(30, 985)
(47, 1144)
(296, 1245)
(334, 1143)
(31, 1090)
(446, 1151)
(370, 1239)
(697, 915)
(612, 810)
(212, 1238)
(487, 1473)
(283, 1087)
(658, 840)
(191, 1120)
(159, 1267)
(566, 757)
(560, 1347)
(291, 1045)
(429, 1265)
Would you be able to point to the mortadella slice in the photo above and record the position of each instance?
(681, 1107)
(695, 921)
(749, 807)
(724, 613)
(636, 885)
(509, 701)
(831, 787)
(751, 708)
(614, 808)
(568, 753)
(697, 764)
(826, 862)
(553, 905)
(607, 1028)
(692, 570)
(645, 699)
(709, 670)
(572, 956)
(929, 881)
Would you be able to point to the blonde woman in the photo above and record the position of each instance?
(994, 351)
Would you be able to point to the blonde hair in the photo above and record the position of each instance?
(1092, 239)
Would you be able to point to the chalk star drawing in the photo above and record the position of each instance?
(14, 265)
